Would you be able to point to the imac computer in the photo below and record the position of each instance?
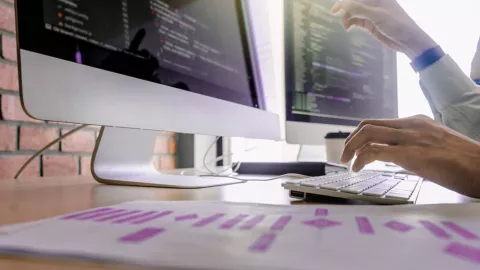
(140, 66)
(334, 78)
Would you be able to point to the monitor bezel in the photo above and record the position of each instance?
(58, 90)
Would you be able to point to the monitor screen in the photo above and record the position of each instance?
(334, 76)
(194, 45)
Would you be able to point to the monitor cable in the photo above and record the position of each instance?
(41, 151)
(209, 172)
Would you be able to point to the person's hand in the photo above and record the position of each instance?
(475, 73)
(388, 22)
(419, 145)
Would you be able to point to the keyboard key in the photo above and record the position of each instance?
(413, 178)
(376, 192)
(405, 186)
(388, 184)
(295, 181)
(318, 181)
(400, 176)
(340, 184)
(398, 195)
(315, 183)
(356, 189)
(374, 181)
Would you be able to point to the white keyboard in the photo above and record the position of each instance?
(384, 188)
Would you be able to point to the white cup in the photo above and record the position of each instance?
(334, 144)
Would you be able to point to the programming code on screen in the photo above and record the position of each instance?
(339, 74)
(197, 38)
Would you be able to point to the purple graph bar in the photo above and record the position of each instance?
(208, 220)
(435, 230)
(364, 225)
(107, 218)
(322, 223)
(464, 252)
(101, 214)
(186, 217)
(251, 223)
(281, 223)
(147, 219)
(321, 212)
(263, 243)
(77, 215)
(141, 235)
(398, 226)
(127, 219)
(232, 222)
(460, 230)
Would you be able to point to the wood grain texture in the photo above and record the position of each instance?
(38, 198)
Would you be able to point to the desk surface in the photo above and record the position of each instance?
(33, 199)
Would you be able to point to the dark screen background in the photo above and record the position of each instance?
(194, 45)
(335, 76)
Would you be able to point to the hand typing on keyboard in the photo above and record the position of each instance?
(419, 145)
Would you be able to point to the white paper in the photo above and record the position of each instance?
(203, 235)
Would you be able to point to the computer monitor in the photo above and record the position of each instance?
(139, 66)
(334, 78)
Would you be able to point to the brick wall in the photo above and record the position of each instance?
(21, 135)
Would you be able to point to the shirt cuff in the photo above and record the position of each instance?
(428, 58)
(445, 82)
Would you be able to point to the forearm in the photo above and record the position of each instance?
(453, 95)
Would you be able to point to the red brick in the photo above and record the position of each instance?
(60, 166)
(85, 169)
(12, 110)
(9, 77)
(82, 141)
(161, 145)
(172, 146)
(9, 165)
(35, 138)
(9, 48)
(8, 138)
(7, 18)
(168, 163)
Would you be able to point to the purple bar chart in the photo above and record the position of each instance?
(435, 230)
(364, 226)
(115, 216)
(464, 252)
(398, 226)
(232, 222)
(281, 223)
(321, 212)
(142, 235)
(134, 217)
(263, 243)
(204, 222)
(251, 223)
(459, 230)
(150, 218)
(82, 214)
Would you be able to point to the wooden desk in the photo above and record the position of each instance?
(33, 199)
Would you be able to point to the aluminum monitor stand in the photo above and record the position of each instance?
(124, 156)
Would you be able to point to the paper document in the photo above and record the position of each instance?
(209, 235)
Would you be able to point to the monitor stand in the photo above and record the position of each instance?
(125, 157)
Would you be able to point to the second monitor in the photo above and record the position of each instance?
(334, 78)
